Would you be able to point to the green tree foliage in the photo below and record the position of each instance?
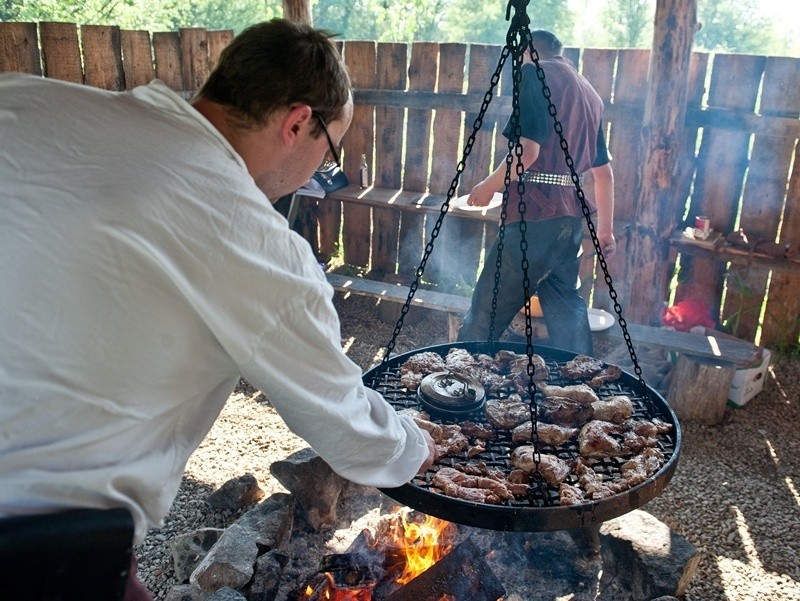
(629, 23)
(152, 15)
(727, 26)
(485, 22)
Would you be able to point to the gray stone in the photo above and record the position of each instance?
(236, 493)
(315, 486)
(186, 592)
(231, 562)
(227, 594)
(267, 578)
(189, 549)
(642, 556)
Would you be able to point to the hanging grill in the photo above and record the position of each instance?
(540, 510)
(448, 398)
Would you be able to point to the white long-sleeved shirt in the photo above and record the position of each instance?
(141, 273)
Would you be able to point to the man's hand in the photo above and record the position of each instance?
(481, 195)
(608, 244)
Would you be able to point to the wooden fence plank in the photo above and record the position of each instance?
(137, 58)
(482, 64)
(764, 197)
(719, 181)
(61, 54)
(598, 66)
(19, 48)
(360, 58)
(422, 72)
(329, 211)
(687, 158)
(392, 61)
(167, 54)
(445, 156)
(479, 164)
(194, 57)
(102, 57)
(218, 39)
(782, 322)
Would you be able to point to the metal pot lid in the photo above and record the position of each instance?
(451, 392)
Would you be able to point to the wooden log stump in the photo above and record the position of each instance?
(698, 389)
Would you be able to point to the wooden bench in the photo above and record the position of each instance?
(454, 305)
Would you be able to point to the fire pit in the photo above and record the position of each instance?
(540, 510)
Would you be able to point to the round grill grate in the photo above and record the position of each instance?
(540, 510)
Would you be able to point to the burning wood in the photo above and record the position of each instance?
(462, 575)
(410, 551)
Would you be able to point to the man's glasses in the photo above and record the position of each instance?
(331, 159)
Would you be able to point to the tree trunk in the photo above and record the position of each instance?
(698, 389)
(298, 11)
(657, 208)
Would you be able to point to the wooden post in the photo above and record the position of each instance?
(657, 208)
(698, 389)
(298, 11)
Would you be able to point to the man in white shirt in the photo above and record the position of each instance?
(144, 270)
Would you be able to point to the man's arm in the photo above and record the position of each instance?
(482, 193)
(604, 197)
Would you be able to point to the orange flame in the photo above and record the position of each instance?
(423, 543)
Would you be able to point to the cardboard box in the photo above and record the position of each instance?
(748, 382)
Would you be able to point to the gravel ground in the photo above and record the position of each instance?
(735, 495)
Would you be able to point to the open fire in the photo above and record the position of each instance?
(407, 553)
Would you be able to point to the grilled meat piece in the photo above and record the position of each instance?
(479, 468)
(581, 367)
(549, 434)
(418, 366)
(447, 438)
(580, 393)
(595, 439)
(520, 366)
(615, 409)
(503, 360)
(649, 428)
(412, 379)
(553, 469)
(426, 361)
(460, 360)
(505, 414)
(564, 412)
(570, 495)
(642, 466)
(609, 373)
(451, 442)
(593, 483)
(474, 430)
(480, 489)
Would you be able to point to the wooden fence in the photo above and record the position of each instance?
(415, 106)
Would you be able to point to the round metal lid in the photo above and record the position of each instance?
(450, 394)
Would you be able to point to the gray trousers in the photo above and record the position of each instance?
(553, 264)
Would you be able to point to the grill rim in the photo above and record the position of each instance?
(534, 519)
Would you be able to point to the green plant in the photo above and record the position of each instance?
(787, 342)
(742, 294)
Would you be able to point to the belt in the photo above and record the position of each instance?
(554, 179)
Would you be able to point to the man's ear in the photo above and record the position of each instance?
(295, 120)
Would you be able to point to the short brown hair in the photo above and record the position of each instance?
(546, 43)
(275, 64)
